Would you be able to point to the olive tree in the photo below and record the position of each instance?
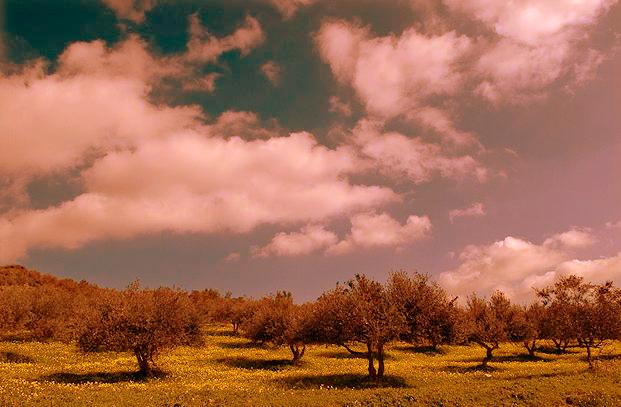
(277, 320)
(430, 315)
(360, 312)
(488, 322)
(144, 322)
(591, 313)
(528, 326)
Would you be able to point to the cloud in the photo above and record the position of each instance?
(245, 125)
(536, 43)
(396, 155)
(96, 100)
(52, 123)
(515, 265)
(522, 50)
(309, 239)
(339, 107)
(205, 83)
(370, 230)
(232, 257)
(187, 182)
(613, 225)
(131, 58)
(288, 8)
(475, 210)
(204, 47)
(605, 269)
(272, 72)
(533, 21)
(394, 74)
(574, 238)
(133, 10)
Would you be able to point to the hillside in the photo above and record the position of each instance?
(19, 275)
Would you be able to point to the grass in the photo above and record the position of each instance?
(229, 372)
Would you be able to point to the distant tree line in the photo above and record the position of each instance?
(362, 316)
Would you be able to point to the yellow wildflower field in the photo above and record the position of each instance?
(230, 371)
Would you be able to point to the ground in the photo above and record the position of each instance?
(231, 371)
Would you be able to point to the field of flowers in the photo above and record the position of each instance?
(231, 371)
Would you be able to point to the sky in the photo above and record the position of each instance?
(261, 145)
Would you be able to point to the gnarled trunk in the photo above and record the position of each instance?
(488, 354)
(530, 346)
(297, 351)
(380, 361)
(587, 345)
(143, 362)
(371, 360)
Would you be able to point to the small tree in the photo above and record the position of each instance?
(429, 314)
(277, 320)
(145, 322)
(488, 322)
(590, 312)
(560, 302)
(361, 312)
(236, 311)
(527, 326)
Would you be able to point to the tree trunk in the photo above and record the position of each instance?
(143, 363)
(370, 358)
(558, 344)
(488, 355)
(530, 347)
(380, 361)
(588, 349)
(297, 352)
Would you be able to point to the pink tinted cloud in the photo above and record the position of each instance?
(538, 42)
(515, 265)
(392, 74)
(574, 238)
(190, 183)
(288, 8)
(398, 156)
(613, 225)
(133, 10)
(475, 210)
(524, 49)
(204, 47)
(340, 107)
(369, 230)
(55, 121)
(272, 72)
(309, 239)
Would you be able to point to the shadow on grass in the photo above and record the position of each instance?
(469, 369)
(554, 351)
(241, 345)
(262, 364)
(343, 354)
(12, 357)
(342, 381)
(101, 377)
(221, 332)
(339, 354)
(523, 357)
(426, 350)
(602, 357)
